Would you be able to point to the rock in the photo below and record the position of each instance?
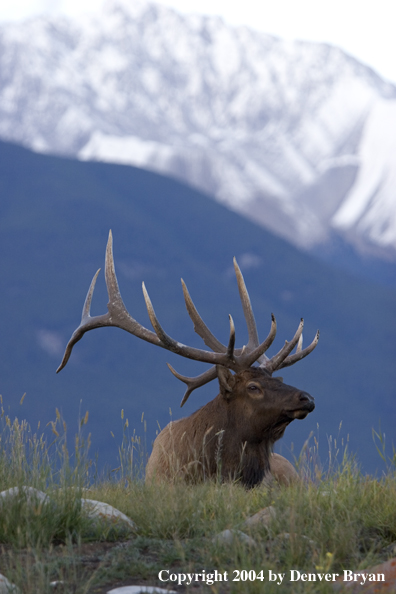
(6, 587)
(390, 551)
(99, 510)
(285, 536)
(140, 590)
(369, 581)
(230, 536)
(92, 508)
(33, 496)
(262, 518)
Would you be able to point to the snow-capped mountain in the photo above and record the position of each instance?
(297, 136)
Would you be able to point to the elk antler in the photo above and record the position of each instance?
(119, 317)
(228, 356)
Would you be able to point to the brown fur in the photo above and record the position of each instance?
(282, 470)
(232, 436)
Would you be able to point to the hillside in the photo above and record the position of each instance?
(297, 136)
(55, 214)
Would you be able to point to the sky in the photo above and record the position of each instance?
(363, 28)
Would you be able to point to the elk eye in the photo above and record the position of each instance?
(255, 390)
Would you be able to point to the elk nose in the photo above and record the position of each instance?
(306, 398)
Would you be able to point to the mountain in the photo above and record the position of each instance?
(298, 137)
(55, 215)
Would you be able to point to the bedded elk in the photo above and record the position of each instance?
(232, 436)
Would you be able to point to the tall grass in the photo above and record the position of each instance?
(335, 518)
(30, 459)
(42, 458)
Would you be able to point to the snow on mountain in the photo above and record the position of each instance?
(369, 206)
(296, 136)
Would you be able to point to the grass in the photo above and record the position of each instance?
(333, 520)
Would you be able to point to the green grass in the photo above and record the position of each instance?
(333, 520)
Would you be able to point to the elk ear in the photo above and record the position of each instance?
(226, 380)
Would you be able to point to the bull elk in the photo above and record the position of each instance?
(233, 435)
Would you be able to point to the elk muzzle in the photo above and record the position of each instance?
(306, 405)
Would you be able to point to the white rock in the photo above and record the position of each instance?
(229, 536)
(140, 590)
(6, 587)
(32, 495)
(98, 509)
(262, 518)
(285, 536)
(94, 509)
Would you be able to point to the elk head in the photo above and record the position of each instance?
(263, 406)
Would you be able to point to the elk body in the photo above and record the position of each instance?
(232, 436)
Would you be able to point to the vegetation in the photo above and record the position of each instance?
(335, 519)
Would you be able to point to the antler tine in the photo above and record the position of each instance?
(113, 290)
(165, 339)
(275, 361)
(299, 344)
(83, 327)
(199, 325)
(231, 342)
(300, 354)
(247, 309)
(86, 312)
(250, 358)
(118, 313)
(194, 382)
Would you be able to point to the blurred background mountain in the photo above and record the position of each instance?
(219, 141)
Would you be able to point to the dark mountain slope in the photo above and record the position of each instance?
(54, 220)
